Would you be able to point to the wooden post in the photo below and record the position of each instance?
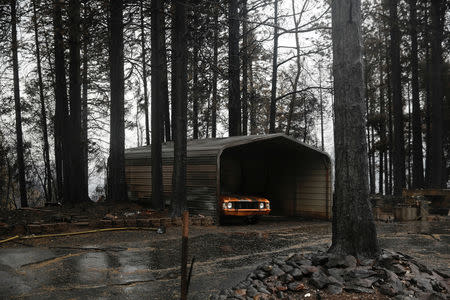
(184, 255)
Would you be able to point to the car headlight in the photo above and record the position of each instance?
(230, 205)
(224, 205)
(261, 205)
(268, 205)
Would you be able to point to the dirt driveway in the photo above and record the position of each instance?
(140, 264)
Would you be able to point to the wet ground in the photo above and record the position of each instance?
(143, 264)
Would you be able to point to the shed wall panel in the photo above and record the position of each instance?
(313, 190)
(298, 178)
(200, 182)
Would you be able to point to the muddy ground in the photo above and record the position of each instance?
(88, 212)
(143, 264)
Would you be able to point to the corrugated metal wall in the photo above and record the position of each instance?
(200, 181)
(297, 178)
(313, 190)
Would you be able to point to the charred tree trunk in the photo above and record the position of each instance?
(195, 88)
(252, 99)
(390, 142)
(48, 53)
(138, 127)
(179, 106)
(9, 185)
(383, 141)
(244, 53)
(208, 114)
(165, 87)
(157, 74)
(386, 168)
(354, 230)
(399, 139)
(234, 103)
(273, 94)
(416, 119)
(372, 141)
(62, 124)
(76, 164)
(369, 150)
(321, 109)
(84, 108)
(409, 154)
(292, 104)
(46, 152)
(297, 76)
(436, 96)
(427, 79)
(369, 134)
(369, 155)
(116, 179)
(18, 108)
(369, 160)
(215, 69)
(144, 74)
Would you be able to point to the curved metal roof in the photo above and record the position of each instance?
(217, 146)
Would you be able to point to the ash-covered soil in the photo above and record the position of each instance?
(143, 264)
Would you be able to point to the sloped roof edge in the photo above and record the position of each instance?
(216, 146)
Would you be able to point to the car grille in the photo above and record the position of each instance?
(246, 205)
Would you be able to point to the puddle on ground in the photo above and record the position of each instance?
(17, 257)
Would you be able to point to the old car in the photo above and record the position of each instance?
(248, 207)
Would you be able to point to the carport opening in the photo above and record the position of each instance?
(271, 169)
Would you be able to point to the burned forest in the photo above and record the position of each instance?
(240, 149)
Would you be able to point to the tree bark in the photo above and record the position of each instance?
(62, 124)
(157, 110)
(179, 106)
(76, 164)
(9, 185)
(46, 152)
(165, 125)
(417, 170)
(389, 125)
(215, 69)
(427, 79)
(370, 143)
(369, 150)
(409, 145)
(84, 108)
(252, 99)
(234, 103)
(322, 146)
(399, 139)
(244, 53)
(354, 231)
(18, 108)
(297, 74)
(116, 179)
(144, 75)
(273, 93)
(382, 121)
(437, 180)
(391, 141)
(195, 87)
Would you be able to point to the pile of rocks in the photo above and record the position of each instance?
(393, 274)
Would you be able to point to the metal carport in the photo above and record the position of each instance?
(295, 177)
